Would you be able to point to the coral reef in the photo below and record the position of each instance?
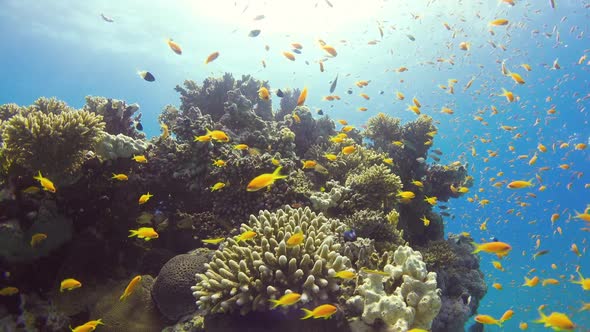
(172, 289)
(244, 275)
(412, 304)
(323, 201)
(116, 114)
(375, 187)
(119, 146)
(373, 224)
(53, 139)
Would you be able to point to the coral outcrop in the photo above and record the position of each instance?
(407, 298)
(244, 275)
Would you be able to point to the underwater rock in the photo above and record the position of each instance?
(172, 289)
(243, 276)
(414, 304)
(119, 146)
(137, 313)
(322, 201)
(15, 241)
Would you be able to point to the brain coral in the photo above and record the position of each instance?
(244, 275)
(171, 291)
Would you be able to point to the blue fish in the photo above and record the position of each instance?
(349, 235)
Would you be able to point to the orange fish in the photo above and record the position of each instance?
(302, 97)
(289, 55)
(499, 22)
(212, 57)
(174, 46)
(330, 50)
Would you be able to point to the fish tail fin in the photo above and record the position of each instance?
(275, 303)
(541, 319)
(276, 174)
(38, 177)
(133, 233)
(208, 131)
(477, 248)
(99, 322)
(308, 313)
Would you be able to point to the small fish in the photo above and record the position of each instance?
(247, 235)
(333, 85)
(218, 135)
(289, 55)
(322, 311)
(144, 198)
(106, 18)
(410, 37)
(348, 149)
(8, 291)
(295, 239)
(37, 238)
(345, 274)
(556, 320)
(540, 253)
(31, 190)
(330, 50)
(165, 131)
(138, 126)
(120, 177)
(130, 288)
(217, 186)
(286, 300)
(296, 51)
(212, 57)
(532, 282)
(487, 319)
(88, 326)
(263, 93)
(146, 75)
(69, 284)
(254, 33)
(265, 180)
(307, 164)
(499, 22)
(174, 46)
(140, 159)
(241, 147)
(280, 93)
(519, 184)
(45, 183)
(146, 233)
(495, 247)
(213, 241)
(259, 17)
(375, 272)
(302, 97)
(349, 235)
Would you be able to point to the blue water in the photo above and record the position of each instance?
(66, 50)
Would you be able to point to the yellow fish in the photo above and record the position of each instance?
(309, 164)
(219, 163)
(295, 239)
(202, 138)
(263, 93)
(286, 300)
(487, 319)
(425, 220)
(388, 161)
(345, 274)
(146, 233)
(45, 183)
(120, 177)
(213, 241)
(140, 159)
(556, 320)
(217, 186)
(406, 195)
(144, 198)
(348, 149)
(241, 146)
(265, 180)
(130, 287)
(218, 135)
(8, 291)
(69, 284)
(322, 311)
(331, 156)
(37, 238)
(519, 184)
(531, 282)
(247, 235)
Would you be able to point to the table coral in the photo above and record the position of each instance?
(243, 276)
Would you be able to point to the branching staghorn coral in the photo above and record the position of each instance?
(243, 276)
(53, 142)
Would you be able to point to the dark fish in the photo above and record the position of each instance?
(329, 3)
(437, 151)
(245, 8)
(254, 33)
(349, 235)
(106, 18)
(296, 51)
(381, 92)
(443, 207)
(307, 62)
(320, 112)
(410, 37)
(446, 214)
(138, 126)
(333, 86)
(146, 75)
(494, 239)
(280, 93)
(349, 91)
(435, 158)
(259, 17)
(540, 253)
